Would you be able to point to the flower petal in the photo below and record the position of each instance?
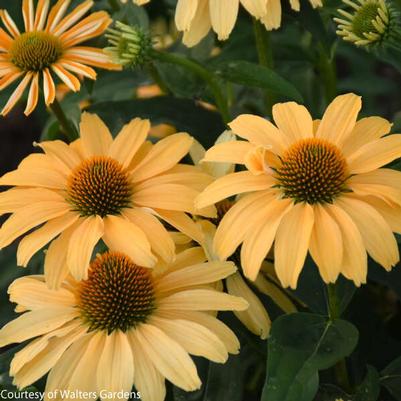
(223, 14)
(340, 118)
(169, 358)
(81, 245)
(293, 120)
(123, 235)
(296, 227)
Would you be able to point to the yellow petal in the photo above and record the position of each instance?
(375, 154)
(326, 244)
(193, 337)
(366, 130)
(129, 140)
(34, 323)
(380, 242)
(354, 263)
(124, 236)
(96, 137)
(204, 273)
(259, 131)
(292, 242)
(255, 318)
(258, 241)
(223, 14)
(115, 371)
(160, 240)
(81, 245)
(162, 156)
(169, 358)
(228, 152)
(200, 25)
(28, 217)
(233, 184)
(147, 379)
(340, 118)
(202, 300)
(240, 219)
(293, 120)
(184, 13)
(31, 243)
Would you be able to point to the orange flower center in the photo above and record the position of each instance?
(313, 171)
(35, 51)
(118, 294)
(99, 186)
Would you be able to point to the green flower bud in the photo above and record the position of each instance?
(368, 23)
(129, 45)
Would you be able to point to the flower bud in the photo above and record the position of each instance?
(129, 45)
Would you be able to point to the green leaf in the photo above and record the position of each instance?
(254, 75)
(391, 378)
(300, 345)
(184, 114)
(369, 389)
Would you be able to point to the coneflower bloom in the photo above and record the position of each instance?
(50, 45)
(197, 17)
(124, 325)
(96, 189)
(310, 185)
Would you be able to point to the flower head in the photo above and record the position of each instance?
(366, 23)
(100, 188)
(129, 46)
(315, 186)
(124, 325)
(197, 18)
(49, 46)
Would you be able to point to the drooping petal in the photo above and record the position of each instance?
(184, 14)
(115, 370)
(223, 14)
(147, 379)
(297, 226)
(159, 238)
(326, 244)
(380, 242)
(258, 241)
(81, 245)
(255, 318)
(169, 358)
(193, 337)
(200, 25)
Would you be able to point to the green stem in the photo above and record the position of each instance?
(157, 78)
(263, 44)
(115, 5)
(327, 69)
(200, 71)
(65, 124)
(265, 55)
(340, 369)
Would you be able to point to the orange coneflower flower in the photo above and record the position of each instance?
(101, 188)
(49, 45)
(311, 185)
(124, 325)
